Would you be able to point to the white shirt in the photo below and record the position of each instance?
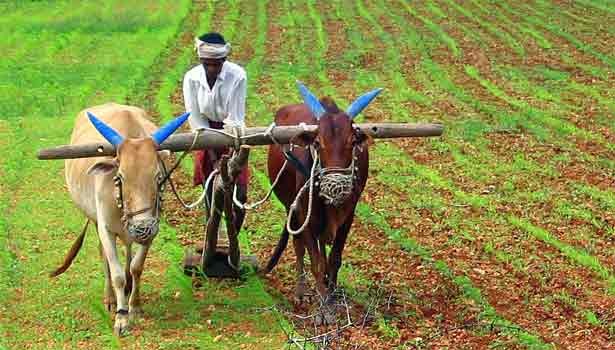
(226, 102)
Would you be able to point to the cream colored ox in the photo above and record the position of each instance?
(121, 194)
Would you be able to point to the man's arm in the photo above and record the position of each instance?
(237, 103)
(191, 104)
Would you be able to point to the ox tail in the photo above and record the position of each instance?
(277, 253)
(72, 253)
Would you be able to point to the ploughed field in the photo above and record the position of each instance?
(500, 234)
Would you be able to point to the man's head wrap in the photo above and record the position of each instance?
(211, 45)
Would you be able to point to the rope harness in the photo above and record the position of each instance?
(145, 230)
(334, 184)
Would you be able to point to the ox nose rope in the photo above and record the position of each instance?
(251, 206)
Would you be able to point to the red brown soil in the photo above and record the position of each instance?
(437, 304)
(559, 280)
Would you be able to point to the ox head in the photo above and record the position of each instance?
(336, 137)
(138, 173)
(337, 142)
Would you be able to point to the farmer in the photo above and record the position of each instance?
(215, 94)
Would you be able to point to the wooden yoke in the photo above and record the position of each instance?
(252, 136)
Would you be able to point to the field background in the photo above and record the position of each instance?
(498, 235)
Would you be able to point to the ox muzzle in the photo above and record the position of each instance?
(143, 231)
(336, 184)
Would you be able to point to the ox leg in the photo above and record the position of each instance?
(128, 287)
(118, 278)
(317, 262)
(136, 269)
(325, 314)
(315, 243)
(301, 286)
(316, 248)
(109, 296)
(335, 257)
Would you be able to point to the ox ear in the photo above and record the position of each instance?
(161, 134)
(361, 102)
(103, 167)
(304, 138)
(310, 100)
(105, 130)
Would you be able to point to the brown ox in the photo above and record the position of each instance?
(339, 180)
(121, 194)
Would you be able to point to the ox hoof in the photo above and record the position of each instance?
(300, 290)
(325, 316)
(120, 328)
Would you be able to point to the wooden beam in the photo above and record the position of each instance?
(253, 136)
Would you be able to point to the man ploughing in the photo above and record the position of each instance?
(215, 95)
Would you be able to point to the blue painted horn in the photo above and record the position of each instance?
(310, 100)
(361, 102)
(105, 130)
(161, 134)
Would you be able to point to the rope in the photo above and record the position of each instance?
(309, 183)
(255, 205)
(168, 174)
(205, 189)
(211, 203)
(338, 184)
(168, 177)
(238, 136)
(269, 133)
(245, 206)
